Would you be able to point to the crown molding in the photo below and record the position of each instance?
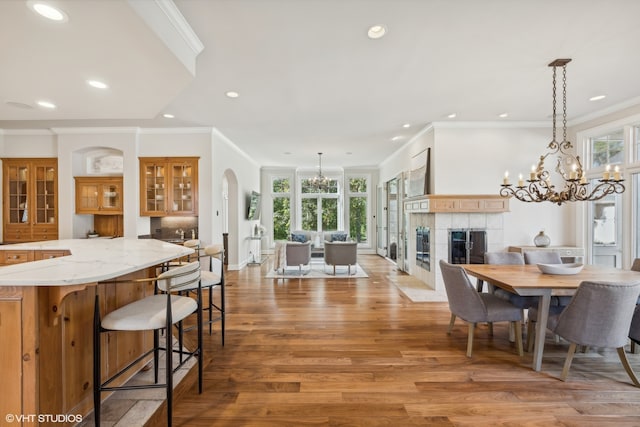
(94, 130)
(164, 18)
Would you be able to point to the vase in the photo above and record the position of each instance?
(542, 240)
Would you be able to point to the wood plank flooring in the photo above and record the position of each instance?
(357, 352)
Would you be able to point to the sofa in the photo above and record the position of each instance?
(318, 239)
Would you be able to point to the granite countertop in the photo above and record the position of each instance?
(91, 260)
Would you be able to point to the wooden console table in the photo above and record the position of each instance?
(567, 253)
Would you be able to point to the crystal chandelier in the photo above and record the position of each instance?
(575, 187)
(320, 181)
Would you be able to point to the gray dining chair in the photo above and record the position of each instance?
(589, 321)
(542, 257)
(634, 329)
(474, 307)
(522, 302)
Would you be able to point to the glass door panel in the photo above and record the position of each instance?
(18, 185)
(155, 185)
(181, 188)
(110, 196)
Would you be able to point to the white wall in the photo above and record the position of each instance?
(468, 158)
(216, 155)
(247, 172)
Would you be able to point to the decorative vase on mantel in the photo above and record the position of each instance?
(542, 240)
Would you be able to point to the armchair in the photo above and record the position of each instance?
(341, 253)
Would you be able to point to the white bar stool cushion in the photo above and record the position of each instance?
(149, 313)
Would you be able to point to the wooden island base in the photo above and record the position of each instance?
(46, 337)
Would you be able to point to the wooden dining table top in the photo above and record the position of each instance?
(529, 280)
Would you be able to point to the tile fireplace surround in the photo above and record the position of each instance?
(439, 225)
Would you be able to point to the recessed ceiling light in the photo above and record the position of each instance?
(597, 97)
(503, 115)
(97, 84)
(168, 116)
(46, 104)
(232, 94)
(406, 125)
(396, 138)
(376, 31)
(48, 11)
(452, 115)
(348, 153)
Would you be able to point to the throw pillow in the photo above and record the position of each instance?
(339, 237)
(300, 238)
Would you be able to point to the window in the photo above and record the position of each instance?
(320, 207)
(281, 196)
(358, 196)
(636, 142)
(607, 149)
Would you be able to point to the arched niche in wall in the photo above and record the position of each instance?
(98, 161)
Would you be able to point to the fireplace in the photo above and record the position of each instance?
(467, 245)
(423, 252)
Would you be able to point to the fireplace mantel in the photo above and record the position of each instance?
(469, 203)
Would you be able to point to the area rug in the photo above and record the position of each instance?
(318, 271)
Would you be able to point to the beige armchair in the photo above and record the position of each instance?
(298, 254)
(341, 253)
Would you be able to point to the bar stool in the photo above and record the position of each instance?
(156, 312)
(211, 278)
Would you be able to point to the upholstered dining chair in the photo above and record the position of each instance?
(599, 315)
(341, 253)
(522, 302)
(634, 332)
(210, 279)
(473, 307)
(542, 257)
(155, 313)
(634, 329)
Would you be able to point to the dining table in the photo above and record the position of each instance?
(528, 280)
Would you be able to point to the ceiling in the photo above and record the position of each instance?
(308, 77)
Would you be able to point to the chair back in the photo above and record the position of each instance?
(636, 265)
(503, 258)
(298, 253)
(341, 253)
(634, 330)
(599, 314)
(185, 277)
(542, 257)
(464, 301)
(216, 256)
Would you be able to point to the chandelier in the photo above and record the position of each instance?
(320, 181)
(575, 187)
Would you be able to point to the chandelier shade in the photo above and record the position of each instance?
(568, 168)
(320, 181)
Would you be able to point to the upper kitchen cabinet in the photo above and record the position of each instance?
(30, 200)
(168, 186)
(99, 195)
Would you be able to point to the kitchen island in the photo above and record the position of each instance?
(46, 317)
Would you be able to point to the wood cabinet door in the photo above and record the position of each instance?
(99, 195)
(30, 200)
(168, 186)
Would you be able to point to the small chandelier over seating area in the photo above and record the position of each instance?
(320, 181)
(575, 187)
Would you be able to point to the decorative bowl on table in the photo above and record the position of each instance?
(562, 269)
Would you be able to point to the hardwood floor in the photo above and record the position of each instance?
(357, 352)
